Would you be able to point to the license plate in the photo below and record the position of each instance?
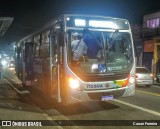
(104, 98)
(145, 81)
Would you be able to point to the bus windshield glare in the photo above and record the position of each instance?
(99, 51)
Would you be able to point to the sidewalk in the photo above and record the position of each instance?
(156, 83)
(16, 107)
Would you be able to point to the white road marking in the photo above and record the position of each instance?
(48, 117)
(149, 93)
(138, 107)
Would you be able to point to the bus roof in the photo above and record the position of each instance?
(62, 16)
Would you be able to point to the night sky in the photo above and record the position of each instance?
(30, 15)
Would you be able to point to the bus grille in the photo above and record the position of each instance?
(103, 78)
(98, 96)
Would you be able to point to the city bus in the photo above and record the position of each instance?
(44, 59)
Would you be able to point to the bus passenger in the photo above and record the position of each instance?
(79, 48)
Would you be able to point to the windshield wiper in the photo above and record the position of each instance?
(93, 36)
(106, 46)
(111, 41)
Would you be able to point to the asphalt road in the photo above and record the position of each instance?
(145, 105)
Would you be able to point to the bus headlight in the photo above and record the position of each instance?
(131, 79)
(73, 83)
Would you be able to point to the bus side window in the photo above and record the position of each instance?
(28, 54)
(44, 46)
(54, 49)
(37, 45)
(36, 50)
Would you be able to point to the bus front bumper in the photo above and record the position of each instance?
(82, 96)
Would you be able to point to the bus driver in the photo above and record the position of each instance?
(79, 48)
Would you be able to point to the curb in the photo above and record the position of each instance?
(156, 84)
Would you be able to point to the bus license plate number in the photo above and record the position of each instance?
(105, 98)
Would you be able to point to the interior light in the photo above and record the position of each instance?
(126, 23)
(68, 18)
(103, 24)
(80, 22)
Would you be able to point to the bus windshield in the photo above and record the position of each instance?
(99, 51)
